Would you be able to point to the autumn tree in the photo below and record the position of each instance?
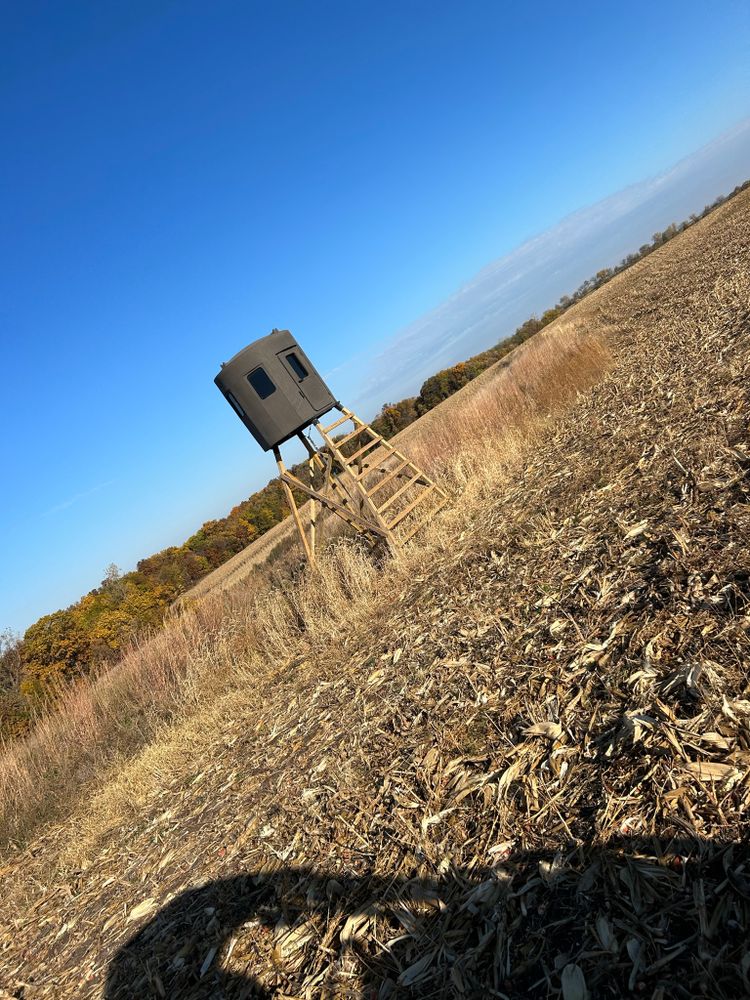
(394, 417)
(14, 714)
(10, 660)
(55, 649)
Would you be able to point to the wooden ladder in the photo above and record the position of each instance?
(367, 482)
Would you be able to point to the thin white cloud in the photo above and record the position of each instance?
(532, 277)
(74, 499)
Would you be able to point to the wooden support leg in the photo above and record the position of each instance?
(292, 503)
(313, 508)
(311, 456)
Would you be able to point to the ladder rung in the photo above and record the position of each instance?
(420, 524)
(367, 447)
(410, 507)
(399, 492)
(338, 423)
(353, 434)
(376, 464)
(387, 478)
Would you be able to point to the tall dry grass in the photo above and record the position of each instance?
(484, 424)
(230, 638)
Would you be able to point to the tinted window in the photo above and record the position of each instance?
(297, 367)
(262, 384)
(235, 405)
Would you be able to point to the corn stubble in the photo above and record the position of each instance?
(511, 762)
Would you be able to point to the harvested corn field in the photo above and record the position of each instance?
(513, 763)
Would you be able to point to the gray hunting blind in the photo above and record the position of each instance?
(274, 389)
(276, 392)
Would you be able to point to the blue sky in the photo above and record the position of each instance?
(179, 178)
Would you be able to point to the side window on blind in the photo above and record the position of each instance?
(297, 367)
(261, 382)
(235, 405)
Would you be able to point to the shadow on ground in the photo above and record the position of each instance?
(640, 918)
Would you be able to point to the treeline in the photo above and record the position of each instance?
(93, 632)
(393, 417)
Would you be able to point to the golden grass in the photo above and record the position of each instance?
(509, 401)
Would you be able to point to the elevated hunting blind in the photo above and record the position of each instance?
(274, 389)
(276, 392)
